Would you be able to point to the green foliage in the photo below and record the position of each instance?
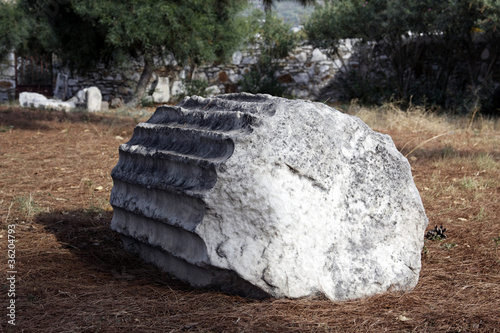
(449, 246)
(14, 28)
(146, 101)
(275, 40)
(497, 240)
(194, 87)
(191, 31)
(468, 183)
(84, 33)
(27, 205)
(431, 49)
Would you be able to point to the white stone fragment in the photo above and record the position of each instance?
(35, 100)
(317, 55)
(213, 91)
(235, 78)
(162, 90)
(301, 57)
(324, 68)
(93, 99)
(237, 57)
(29, 99)
(286, 197)
(249, 61)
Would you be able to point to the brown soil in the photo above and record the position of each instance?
(74, 276)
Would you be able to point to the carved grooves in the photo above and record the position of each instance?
(161, 177)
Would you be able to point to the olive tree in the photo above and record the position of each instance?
(431, 46)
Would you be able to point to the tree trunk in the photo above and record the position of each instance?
(147, 73)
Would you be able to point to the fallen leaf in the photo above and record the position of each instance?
(99, 188)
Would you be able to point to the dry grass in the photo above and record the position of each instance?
(73, 275)
(417, 119)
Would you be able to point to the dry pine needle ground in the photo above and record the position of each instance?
(73, 275)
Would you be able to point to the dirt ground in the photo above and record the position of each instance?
(72, 274)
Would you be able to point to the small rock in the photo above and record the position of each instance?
(317, 55)
(116, 102)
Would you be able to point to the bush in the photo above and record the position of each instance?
(274, 40)
(433, 48)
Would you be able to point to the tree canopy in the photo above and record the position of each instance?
(14, 28)
(83, 33)
(275, 40)
(416, 36)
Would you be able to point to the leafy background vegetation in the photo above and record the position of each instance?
(424, 52)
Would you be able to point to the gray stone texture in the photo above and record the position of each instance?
(264, 196)
(119, 82)
(7, 78)
(61, 88)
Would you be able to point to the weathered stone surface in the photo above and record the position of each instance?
(162, 90)
(93, 99)
(301, 78)
(35, 100)
(213, 91)
(237, 57)
(104, 106)
(116, 103)
(61, 89)
(301, 57)
(235, 78)
(265, 196)
(317, 55)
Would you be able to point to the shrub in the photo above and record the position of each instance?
(274, 40)
(432, 49)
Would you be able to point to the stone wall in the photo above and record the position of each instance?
(113, 83)
(8, 79)
(303, 73)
